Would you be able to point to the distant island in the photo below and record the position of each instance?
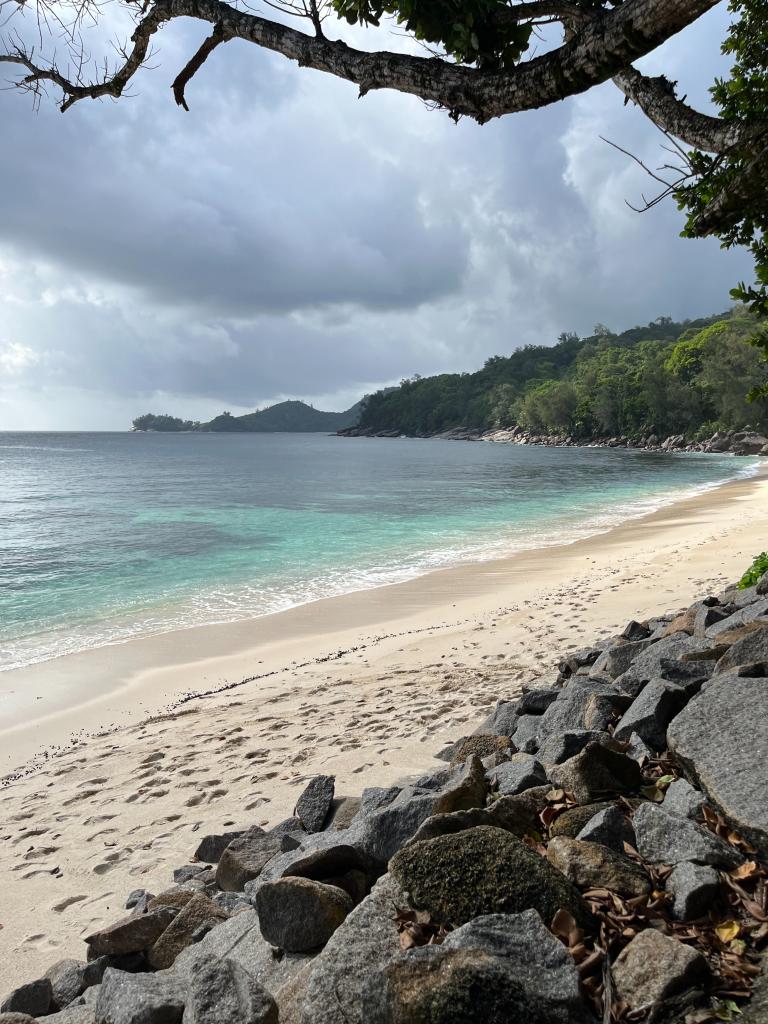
(285, 417)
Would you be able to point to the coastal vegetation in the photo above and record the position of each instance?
(691, 378)
(755, 572)
(289, 417)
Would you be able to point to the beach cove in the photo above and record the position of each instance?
(366, 686)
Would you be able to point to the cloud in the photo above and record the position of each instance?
(287, 239)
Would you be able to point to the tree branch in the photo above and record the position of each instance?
(604, 46)
(656, 98)
(180, 82)
(111, 85)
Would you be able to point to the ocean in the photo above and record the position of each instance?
(109, 536)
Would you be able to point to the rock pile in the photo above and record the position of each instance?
(736, 442)
(595, 851)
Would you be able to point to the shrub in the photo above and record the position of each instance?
(758, 568)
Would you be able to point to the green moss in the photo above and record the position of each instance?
(484, 870)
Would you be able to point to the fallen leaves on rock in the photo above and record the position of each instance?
(416, 928)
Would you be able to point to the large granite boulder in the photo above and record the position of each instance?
(482, 871)
(664, 838)
(651, 712)
(245, 857)
(130, 934)
(200, 914)
(595, 773)
(496, 969)
(721, 738)
(299, 914)
(752, 647)
(331, 992)
(592, 866)
(654, 967)
(34, 998)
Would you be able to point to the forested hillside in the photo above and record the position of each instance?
(666, 378)
(285, 417)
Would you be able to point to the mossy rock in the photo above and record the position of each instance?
(483, 870)
(572, 821)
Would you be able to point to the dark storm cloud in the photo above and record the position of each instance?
(286, 238)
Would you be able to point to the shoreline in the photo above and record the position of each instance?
(115, 685)
(366, 687)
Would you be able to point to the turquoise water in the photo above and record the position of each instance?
(104, 537)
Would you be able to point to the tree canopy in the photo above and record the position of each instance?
(665, 378)
(480, 63)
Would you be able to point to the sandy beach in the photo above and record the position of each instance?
(118, 760)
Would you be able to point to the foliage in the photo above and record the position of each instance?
(163, 423)
(471, 31)
(757, 570)
(734, 182)
(665, 378)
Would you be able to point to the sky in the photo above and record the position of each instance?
(285, 239)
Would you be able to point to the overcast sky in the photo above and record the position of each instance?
(285, 239)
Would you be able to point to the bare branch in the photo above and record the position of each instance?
(180, 82)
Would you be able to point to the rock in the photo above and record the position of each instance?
(231, 902)
(595, 773)
(187, 872)
(572, 821)
(483, 744)
(681, 798)
(299, 914)
(483, 870)
(654, 967)
(71, 1015)
(131, 934)
(34, 998)
(584, 706)
(211, 847)
(721, 738)
(752, 647)
(175, 898)
(357, 951)
(636, 631)
(501, 721)
(222, 991)
(558, 748)
(582, 658)
(756, 1010)
(241, 941)
(138, 900)
(522, 772)
(695, 888)
(651, 712)
(609, 827)
(592, 866)
(314, 803)
(762, 585)
(245, 858)
(498, 968)
(199, 912)
(16, 1018)
(376, 797)
(706, 617)
(618, 659)
(638, 749)
(343, 812)
(66, 978)
(648, 664)
(536, 701)
(526, 734)
(139, 999)
(724, 631)
(664, 838)
(385, 831)
(515, 814)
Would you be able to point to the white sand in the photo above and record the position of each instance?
(366, 686)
